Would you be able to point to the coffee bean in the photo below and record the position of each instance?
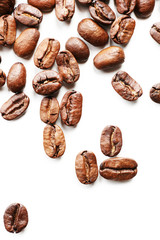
(71, 108)
(7, 30)
(6, 6)
(28, 15)
(111, 141)
(109, 58)
(144, 8)
(92, 32)
(49, 110)
(125, 7)
(47, 82)
(126, 86)
(43, 5)
(118, 169)
(15, 218)
(85, 2)
(65, 9)
(68, 66)
(54, 141)
(86, 167)
(78, 48)
(16, 79)
(122, 29)
(155, 32)
(26, 42)
(2, 78)
(46, 53)
(155, 93)
(0, 59)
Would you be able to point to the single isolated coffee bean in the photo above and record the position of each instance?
(46, 53)
(54, 141)
(68, 66)
(49, 110)
(15, 218)
(109, 58)
(125, 7)
(92, 32)
(65, 9)
(86, 167)
(126, 86)
(2, 78)
(43, 5)
(78, 48)
(47, 82)
(15, 106)
(155, 32)
(122, 29)
(6, 6)
(71, 107)
(7, 30)
(118, 169)
(155, 93)
(16, 79)
(144, 8)
(111, 141)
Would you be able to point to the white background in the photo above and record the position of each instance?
(59, 206)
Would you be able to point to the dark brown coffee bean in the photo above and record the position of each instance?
(15, 106)
(155, 32)
(54, 141)
(126, 86)
(2, 78)
(46, 53)
(28, 15)
(6, 6)
(125, 7)
(144, 8)
(49, 110)
(85, 2)
(78, 48)
(15, 218)
(92, 32)
(86, 167)
(122, 29)
(16, 79)
(111, 141)
(71, 108)
(68, 66)
(110, 57)
(118, 169)
(7, 30)
(26, 42)
(47, 82)
(65, 9)
(155, 93)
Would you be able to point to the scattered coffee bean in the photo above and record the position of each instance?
(65, 9)
(7, 30)
(2, 78)
(155, 93)
(85, 2)
(155, 32)
(144, 8)
(49, 110)
(6, 6)
(125, 7)
(43, 5)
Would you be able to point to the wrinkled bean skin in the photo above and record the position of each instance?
(43, 5)
(54, 141)
(126, 86)
(144, 8)
(92, 32)
(71, 108)
(49, 110)
(155, 93)
(125, 6)
(6, 6)
(65, 9)
(7, 30)
(86, 167)
(155, 32)
(2, 78)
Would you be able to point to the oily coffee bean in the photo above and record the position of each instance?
(49, 110)
(108, 58)
(92, 32)
(68, 66)
(71, 108)
(155, 32)
(28, 15)
(111, 141)
(43, 5)
(2, 78)
(125, 7)
(26, 42)
(144, 8)
(7, 30)
(86, 167)
(46, 53)
(78, 48)
(65, 9)
(6, 6)
(118, 169)
(15, 218)
(16, 79)
(47, 82)
(155, 93)
(54, 141)
(15, 106)
(126, 86)
(122, 29)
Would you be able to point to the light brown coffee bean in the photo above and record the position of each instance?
(155, 93)
(144, 8)
(43, 5)
(7, 30)
(155, 32)
(2, 78)
(125, 7)
(65, 9)
(6, 6)
(49, 110)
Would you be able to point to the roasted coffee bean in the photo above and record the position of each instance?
(46, 53)
(78, 48)
(68, 66)
(118, 169)
(126, 86)
(101, 12)
(125, 7)
(144, 8)
(15, 218)
(85, 2)
(6, 6)
(155, 93)
(54, 141)
(26, 42)
(49, 110)
(86, 167)
(155, 32)
(43, 5)
(47, 82)
(122, 29)
(71, 108)
(28, 15)
(92, 32)
(110, 57)
(65, 9)
(7, 30)
(2, 78)
(15, 106)
(111, 141)
(0, 59)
